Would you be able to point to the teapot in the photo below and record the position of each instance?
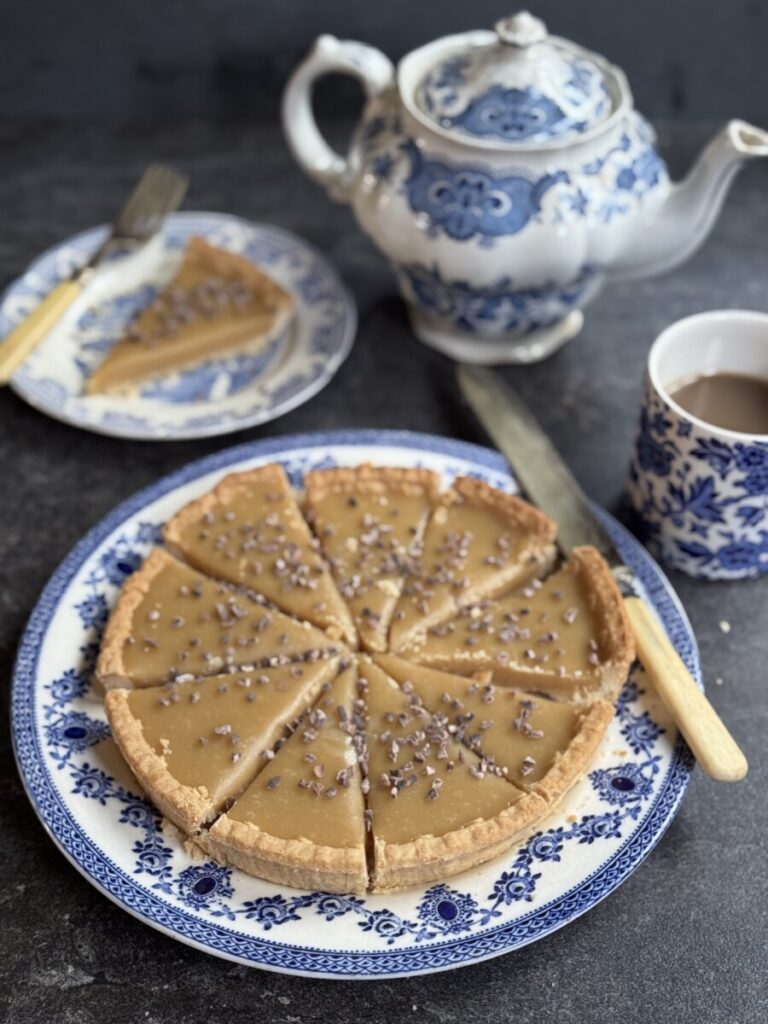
(506, 176)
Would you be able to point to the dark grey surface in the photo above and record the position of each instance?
(224, 57)
(684, 939)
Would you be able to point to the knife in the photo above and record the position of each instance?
(548, 482)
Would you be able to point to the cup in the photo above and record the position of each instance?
(699, 493)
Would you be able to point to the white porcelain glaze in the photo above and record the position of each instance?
(504, 193)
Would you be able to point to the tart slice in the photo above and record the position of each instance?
(301, 822)
(568, 634)
(478, 542)
(539, 743)
(435, 808)
(194, 746)
(249, 530)
(217, 303)
(171, 622)
(370, 521)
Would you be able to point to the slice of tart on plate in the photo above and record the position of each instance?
(568, 634)
(479, 541)
(249, 530)
(172, 622)
(540, 743)
(435, 808)
(217, 303)
(301, 822)
(194, 746)
(370, 521)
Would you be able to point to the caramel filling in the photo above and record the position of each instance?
(187, 625)
(216, 733)
(547, 627)
(421, 781)
(469, 550)
(311, 789)
(519, 731)
(370, 536)
(250, 532)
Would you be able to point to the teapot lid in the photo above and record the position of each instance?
(517, 85)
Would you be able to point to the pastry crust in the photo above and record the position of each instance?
(110, 668)
(571, 764)
(341, 626)
(432, 858)
(511, 506)
(370, 479)
(295, 862)
(187, 807)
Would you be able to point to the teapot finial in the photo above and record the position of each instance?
(521, 29)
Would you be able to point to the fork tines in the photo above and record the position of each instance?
(159, 191)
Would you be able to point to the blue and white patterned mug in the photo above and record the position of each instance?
(699, 492)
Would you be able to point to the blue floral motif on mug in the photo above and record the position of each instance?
(701, 502)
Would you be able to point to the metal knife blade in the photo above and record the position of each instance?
(538, 466)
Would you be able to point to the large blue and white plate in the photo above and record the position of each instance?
(219, 397)
(92, 808)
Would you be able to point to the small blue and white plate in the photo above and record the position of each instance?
(219, 397)
(91, 807)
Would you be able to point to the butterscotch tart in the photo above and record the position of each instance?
(479, 541)
(436, 808)
(238, 694)
(302, 821)
(249, 530)
(194, 746)
(171, 622)
(567, 634)
(370, 521)
(216, 304)
(539, 743)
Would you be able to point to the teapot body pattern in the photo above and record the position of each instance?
(502, 249)
(505, 190)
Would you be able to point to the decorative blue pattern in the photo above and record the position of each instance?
(456, 95)
(235, 392)
(468, 200)
(501, 307)
(710, 497)
(199, 902)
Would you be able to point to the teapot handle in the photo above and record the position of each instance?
(321, 163)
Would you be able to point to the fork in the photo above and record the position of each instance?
(158, 193)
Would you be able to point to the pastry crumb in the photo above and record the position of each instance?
(725, 626)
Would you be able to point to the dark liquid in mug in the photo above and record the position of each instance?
(733, 401)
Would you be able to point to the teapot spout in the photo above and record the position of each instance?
(685, 218)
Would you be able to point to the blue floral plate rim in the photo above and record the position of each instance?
(214, 937)
(323, 337)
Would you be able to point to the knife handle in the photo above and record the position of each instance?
(31, 331)
(713, 746)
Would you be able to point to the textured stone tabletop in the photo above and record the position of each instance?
(684, 939)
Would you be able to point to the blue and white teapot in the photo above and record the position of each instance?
(506, 176)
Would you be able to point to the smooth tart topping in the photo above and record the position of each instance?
(194, 746)
(370, 522)
(174, 623)
(281, 752)
(434, 804)
(568, 633)
(302, 821)
(525, 734)
(478, 542)
(217, 303)
(250, 531)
